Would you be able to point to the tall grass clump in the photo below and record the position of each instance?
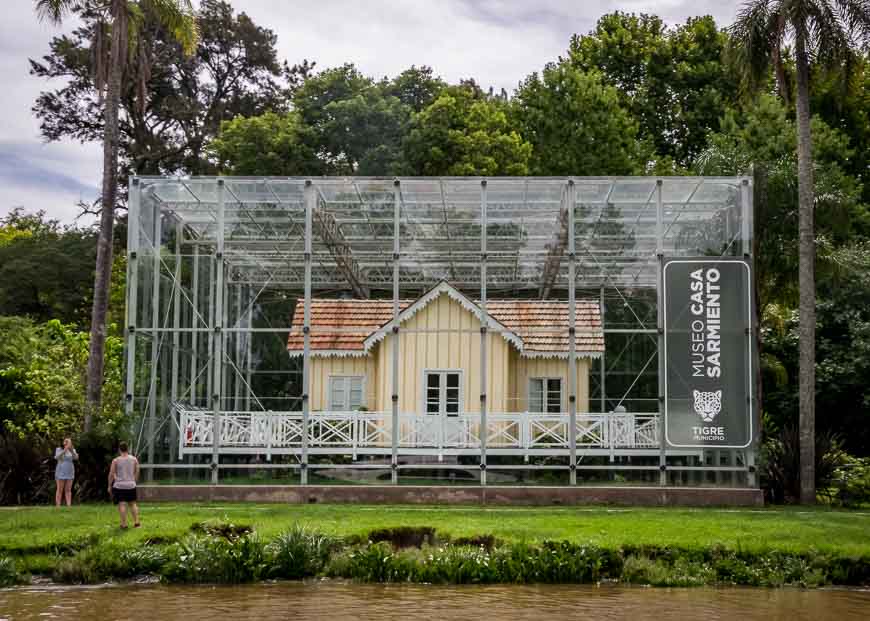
(106, 562)
(299, 553)
(377, 562)
(681, 573)
(215, 560)
(8, 572)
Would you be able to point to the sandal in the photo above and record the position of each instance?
(137, 525)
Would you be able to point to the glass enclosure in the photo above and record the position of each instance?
(415, 330)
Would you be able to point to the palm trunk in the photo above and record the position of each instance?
(806, 263)
(103, 271)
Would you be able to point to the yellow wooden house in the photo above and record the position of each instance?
(439, 348)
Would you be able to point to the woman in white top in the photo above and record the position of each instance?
(122, 484)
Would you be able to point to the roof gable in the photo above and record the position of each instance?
(443, 288)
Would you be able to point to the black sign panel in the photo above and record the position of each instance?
(708, 361)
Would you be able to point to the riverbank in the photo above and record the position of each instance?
(243, 543)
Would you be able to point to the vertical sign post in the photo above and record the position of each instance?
(708, 378)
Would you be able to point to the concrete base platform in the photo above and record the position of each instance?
(457, 495)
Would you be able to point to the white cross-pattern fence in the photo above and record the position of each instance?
(360, 433)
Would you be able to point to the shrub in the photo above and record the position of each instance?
(373, 563)
(105, 562)
(199, 559)
(780, 464)
(682, 573)
(852, 482)
(8, 572)
(298, 553)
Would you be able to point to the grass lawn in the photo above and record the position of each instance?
(48, 531)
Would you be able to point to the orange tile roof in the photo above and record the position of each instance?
(541, 325)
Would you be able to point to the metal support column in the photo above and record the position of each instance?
(660, 313)
(572, 335)
(746, 232)
(602, 361)
(150, 440)
(217, 348)
(484, 327)
(222, 353)
(132, 292)
(310, 199)
(394, 386)
(248, 348)
(237, 335)
(211, 325)
(194, 334)
(176, 345)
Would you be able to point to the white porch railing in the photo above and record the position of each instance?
(370, 432)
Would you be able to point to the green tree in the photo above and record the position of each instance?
(671, 80)
(842, 98)
(576, 125)
(46, 272)
(176, 105)
(122, 21)
(463, 132)
(353, 124)
(270, 144)
(761, 138)
(824, 30)
(415, 87)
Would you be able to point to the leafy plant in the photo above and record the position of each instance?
(780, 463)
(298, 553)
(215, 560)
(8, 572)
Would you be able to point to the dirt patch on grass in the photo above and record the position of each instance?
(227, 530)
(405, 536)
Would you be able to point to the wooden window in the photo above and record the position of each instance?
(346, 392)
(443, 393)
(545, 395)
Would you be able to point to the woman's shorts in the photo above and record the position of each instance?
(123, 495)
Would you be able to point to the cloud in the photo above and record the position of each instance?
(496, 42)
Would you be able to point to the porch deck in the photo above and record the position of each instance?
(370, 433)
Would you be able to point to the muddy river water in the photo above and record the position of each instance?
(341, 600)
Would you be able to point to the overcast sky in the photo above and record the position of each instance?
(497, 42)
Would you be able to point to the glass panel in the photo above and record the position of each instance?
(337, 400)
(452, 396)
(554, 396)
(356, 393)
(536, 395)
(433, 393)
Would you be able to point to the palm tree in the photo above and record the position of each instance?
(123, 19)
(826, 32)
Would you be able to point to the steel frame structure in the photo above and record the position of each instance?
(205, 253)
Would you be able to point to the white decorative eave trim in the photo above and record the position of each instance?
(330, 353)
(433, 294)
(564, 355)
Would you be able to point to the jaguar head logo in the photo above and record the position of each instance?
(707, 404)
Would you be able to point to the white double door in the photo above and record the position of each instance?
(442, 402)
